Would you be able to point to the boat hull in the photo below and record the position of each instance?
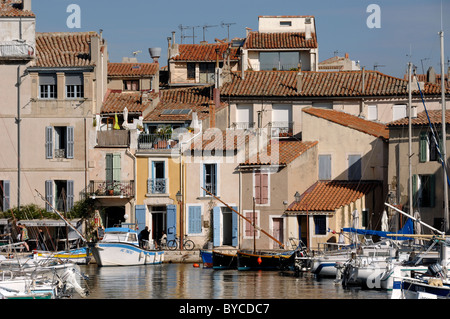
(123, 254)
(80, 256)
(223, 260)
(249, 261)
(206, 258)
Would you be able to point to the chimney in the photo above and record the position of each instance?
(308, 28)
(299, 78)
(346, 55)
(26, 5)
(173, 38)
(431, 75)
(212, 114)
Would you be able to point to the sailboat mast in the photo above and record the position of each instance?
(444, 135)
(410, 190)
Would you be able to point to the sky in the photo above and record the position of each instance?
(386, 39)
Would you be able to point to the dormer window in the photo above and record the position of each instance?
(131, 85)
(285, 23)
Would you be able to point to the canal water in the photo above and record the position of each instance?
(183, 281)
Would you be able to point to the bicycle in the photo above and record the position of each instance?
(175, 243)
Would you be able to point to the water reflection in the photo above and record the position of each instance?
(182, 281)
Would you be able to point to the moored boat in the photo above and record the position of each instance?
(120, 247)
(207, 258)
(224, 260)
(262, 260)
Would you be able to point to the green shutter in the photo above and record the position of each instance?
(116, 167)
(423, 146)
(109, 167)
(414, 189)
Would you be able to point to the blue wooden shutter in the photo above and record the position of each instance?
(49, 195)
(216, 226)
(139, 212)
(70, 196)
(6, 195)
(171, 222)
(70, 138)
(354, 167)
(195, 220)
(49, 142)
(234, 228)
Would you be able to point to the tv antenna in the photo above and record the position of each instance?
(421, 62)
(206, 27)
(228, 24)
(376, 65)
(182, 28)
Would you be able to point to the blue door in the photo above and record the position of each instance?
(234, 228)
(140, 216)
(171, 230)
(216, 226)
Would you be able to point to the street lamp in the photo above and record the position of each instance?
(297, 196)
(179, 197)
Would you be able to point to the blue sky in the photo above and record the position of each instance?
(409, 28)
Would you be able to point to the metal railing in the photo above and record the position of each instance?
(156, 141)
(281, 128)
(111, 188)
(157, 185)
(243, 125)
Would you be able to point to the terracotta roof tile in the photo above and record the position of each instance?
(194, 98)
(10, 8)
(422, 119)
(331, 195)
(116, 101)
(286, 152)
(132, 69)
(351, 121)
(211, 140)
(318, 84)
(279, 40)
(63, 49)
(205, 52)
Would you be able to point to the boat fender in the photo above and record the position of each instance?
(196, 265)
(436, 282)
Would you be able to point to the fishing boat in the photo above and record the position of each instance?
(120, 247)
(263, 260)
(207, 258)
(224, 260)
(81, 256)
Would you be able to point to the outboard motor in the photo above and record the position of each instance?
(436, 270)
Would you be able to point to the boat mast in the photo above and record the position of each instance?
(410, 189)
(444, 134)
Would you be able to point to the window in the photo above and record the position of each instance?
(190, 70)
(60, 194)
(206, 72)
(248, 227)
(428, 147)
(285, 23)
(424, 190)
(354, 167)
(372, 112)
(47, 86)
(113, 172)
(74, 86)
(210, 178)
(398, 112)
(283, 61)
(194, 219)
(5, 195)
(261, 188)
(59, 142)
(324, 167)
(157, 182)
(320, 223)
(131, 85)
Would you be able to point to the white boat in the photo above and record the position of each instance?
(120, 247)
(81, 256)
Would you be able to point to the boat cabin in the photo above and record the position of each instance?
(122, 235)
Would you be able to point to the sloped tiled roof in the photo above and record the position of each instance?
(220, 141)
(132, 69)
(11, 8)
(280, 40)
(280, 152)
(331, 195)
(422, 119)
(116, 101)
(318, 84)
(205, 52)
(194, 98)
(351, 121)
(63, 49)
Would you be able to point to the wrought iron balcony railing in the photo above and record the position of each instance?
(111, 188)
(157, 186)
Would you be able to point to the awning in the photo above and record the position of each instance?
(407, 229)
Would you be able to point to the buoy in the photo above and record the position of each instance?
(259, 260)
(196, 265)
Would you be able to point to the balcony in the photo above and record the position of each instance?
(157, 186)
(14, 50)
(112, 138)
(281, 128)
(121, 189)
(156, 141)
(243, 125)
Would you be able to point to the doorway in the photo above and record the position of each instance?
(158, 215)
(114, 216)
(277, 231)
(303, 229)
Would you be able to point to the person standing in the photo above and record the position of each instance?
(24, 236)
(143, 237)
(41, 240)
